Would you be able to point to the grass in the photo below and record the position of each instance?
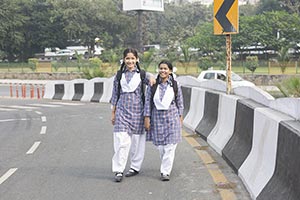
(109, 70)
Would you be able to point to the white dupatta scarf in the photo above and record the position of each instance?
(167, 99)
(133, 83)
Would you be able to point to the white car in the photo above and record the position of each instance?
(236, 80)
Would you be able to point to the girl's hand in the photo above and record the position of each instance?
(147, 123)
(181, 120)
(113, 117)
(152, 81)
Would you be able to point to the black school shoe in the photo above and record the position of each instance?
(118, 176)
(164, 177)
(131, 172)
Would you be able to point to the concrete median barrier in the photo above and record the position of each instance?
(186, 93)
(78, 91)
(194, 116)
(70, 88)
(223, 130)
(238, 147)
(107, 90)
(98, 92)
(210, 115)
(59, 91)
(259, 166)
(93, 90)
(285, 182)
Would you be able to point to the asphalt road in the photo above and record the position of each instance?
(61, 150)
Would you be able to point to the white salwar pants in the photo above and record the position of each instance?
(124, 145)
(167, 155)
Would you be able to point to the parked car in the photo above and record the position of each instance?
(236, 80)
(65, 52)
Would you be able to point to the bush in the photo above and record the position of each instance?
(94, 70)
(33, 63)
(290, 87)
(205, 63)
(251, 63)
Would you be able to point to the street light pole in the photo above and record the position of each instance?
(140, 31)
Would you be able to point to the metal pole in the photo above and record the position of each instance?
(140, 31)
(228, 63)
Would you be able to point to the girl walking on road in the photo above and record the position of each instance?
(128, 116)
(163, 116)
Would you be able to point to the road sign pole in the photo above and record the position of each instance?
(228, 63)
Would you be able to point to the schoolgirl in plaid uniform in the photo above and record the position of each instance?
(128, 117)
(163, 117)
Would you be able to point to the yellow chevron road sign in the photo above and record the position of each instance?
(226, 17)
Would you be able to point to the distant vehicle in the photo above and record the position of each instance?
(56, 54)
(84, 50)
(236, 80)
(151, 46)
(65, 52)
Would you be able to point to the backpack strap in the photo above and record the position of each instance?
(143, 77)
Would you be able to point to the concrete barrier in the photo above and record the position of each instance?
(70, 88)
(214, 84)
(107, 90)
(258, 168)
(223, 130)
(93, 90)
(186, 93)
(290, 106)
(254, 93)
(50, 89)
(285, 182)
(194, 116)
(210, 115)
(78, 91)
(238, 147)
(59, 91)
(98, 92)
(189, 81)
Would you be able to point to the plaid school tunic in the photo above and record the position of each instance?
(129, 107)
(165, 127)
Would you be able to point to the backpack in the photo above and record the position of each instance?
(174, 86)
(143, 77)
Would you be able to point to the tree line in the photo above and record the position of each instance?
(29, 26)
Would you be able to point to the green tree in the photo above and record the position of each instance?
(147, 58)
(11, 28)
(268, 5)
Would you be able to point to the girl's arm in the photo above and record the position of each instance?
(113, 100)
(150, 79)
(179, 100)
(147, 108)
(114, 97)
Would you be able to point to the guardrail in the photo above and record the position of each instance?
(258, 136)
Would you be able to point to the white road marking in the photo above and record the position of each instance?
(43, 130)
(38, 112)
(45, 105)
(23, 107)
(11, 120)
(33, 148)
(67, 104)
(44, 119)
(7, 109)
(7, 175)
